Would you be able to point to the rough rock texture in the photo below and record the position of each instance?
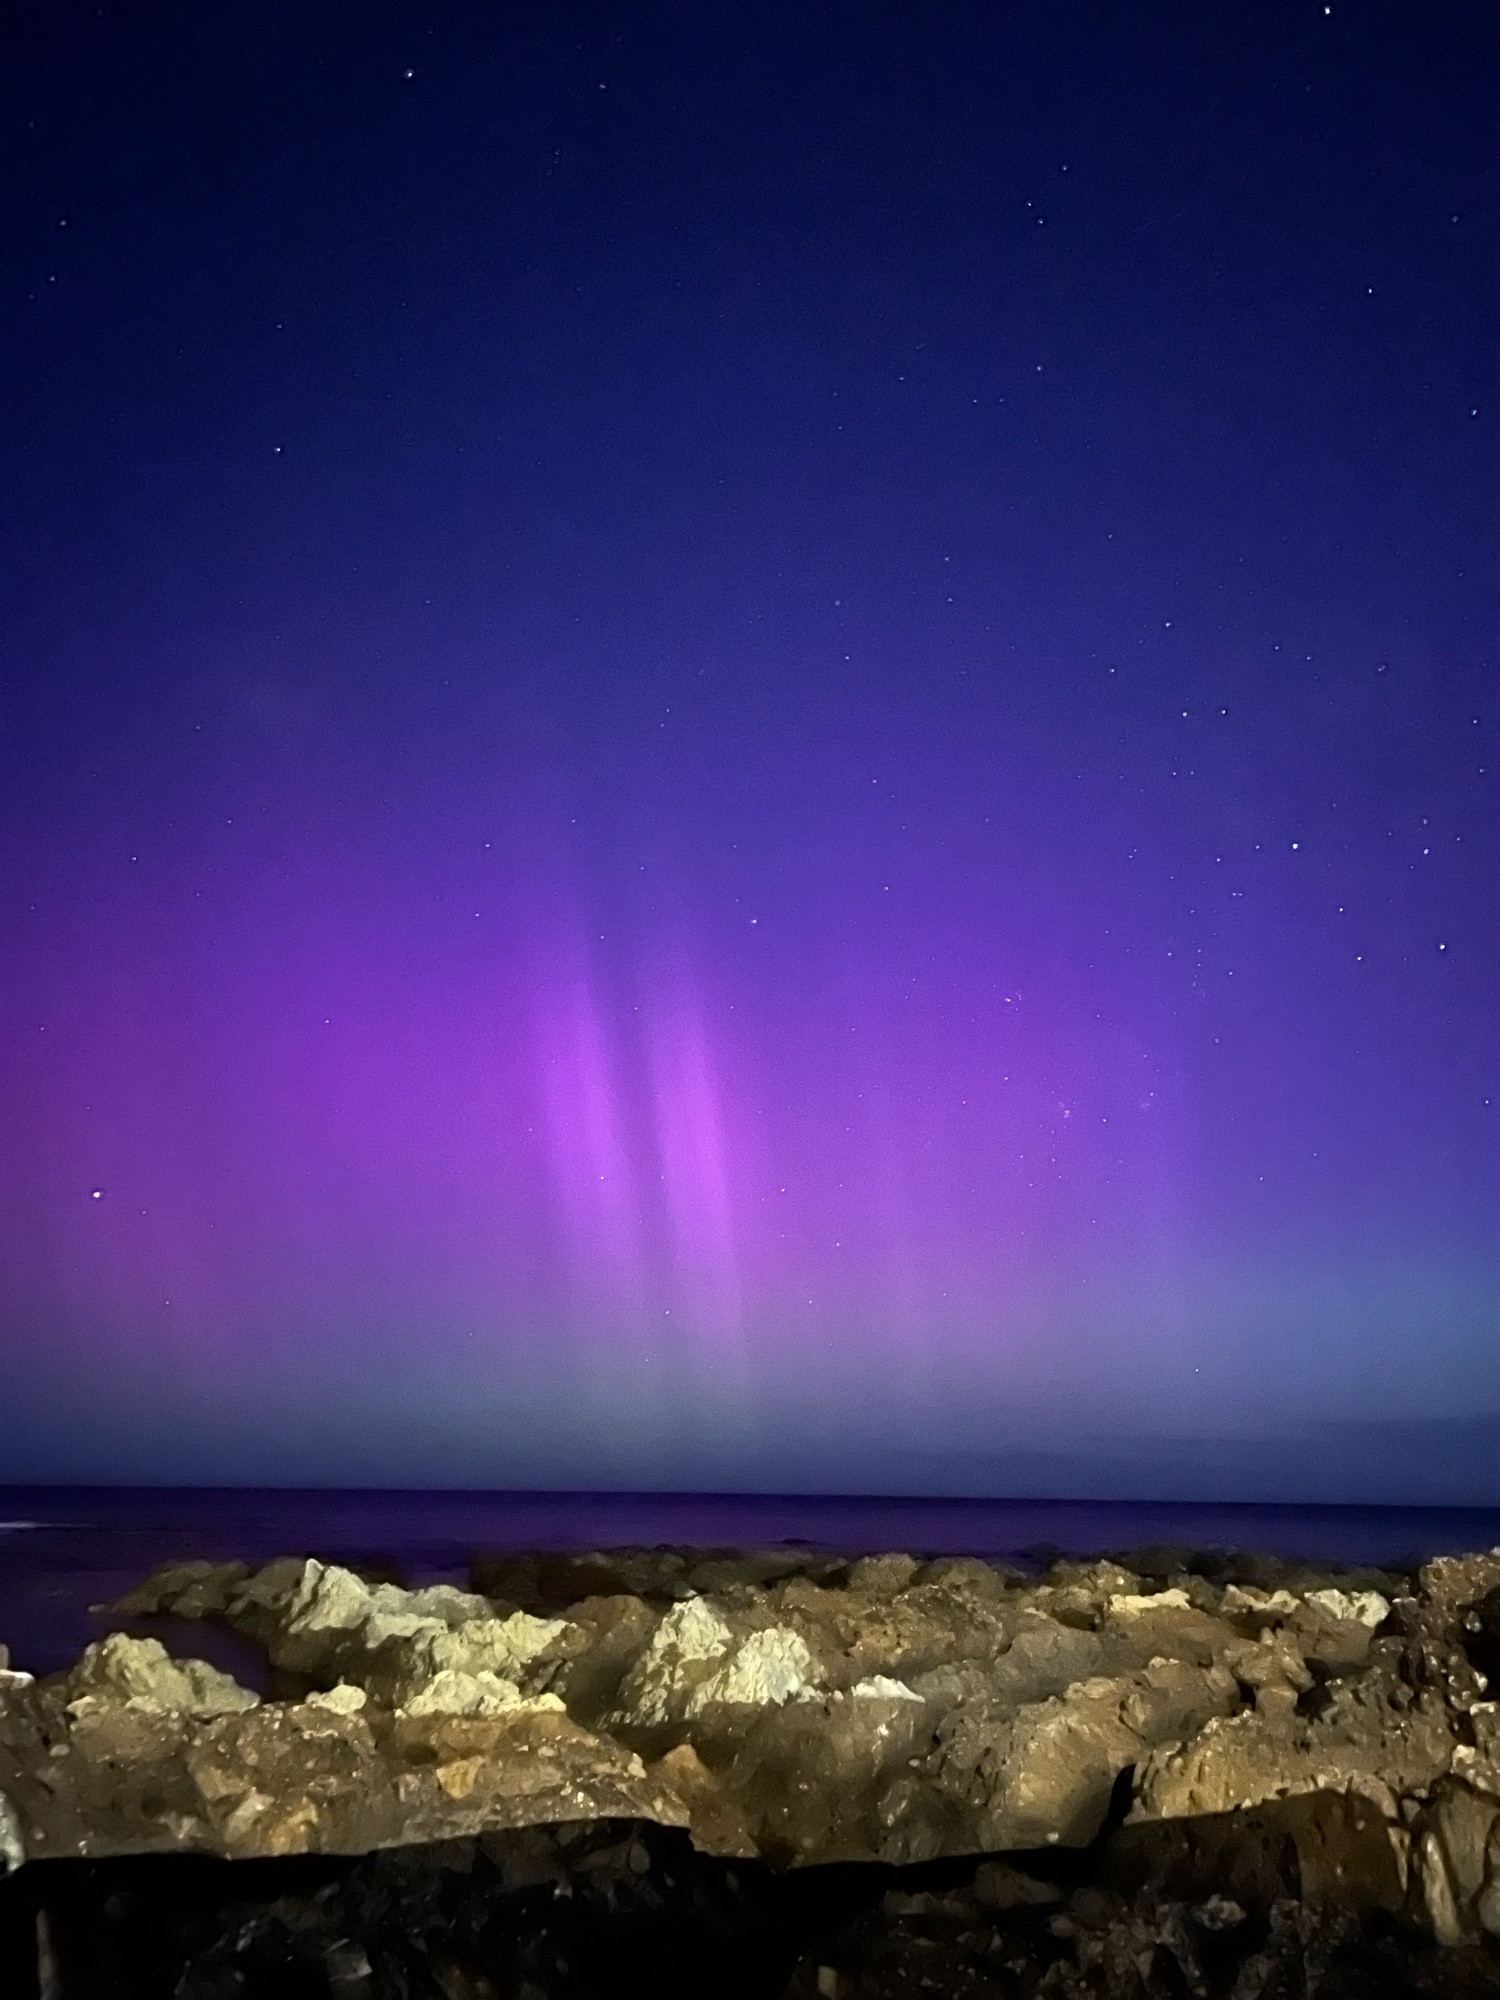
(97, 1776)
(788, 1706)
(142, 1672)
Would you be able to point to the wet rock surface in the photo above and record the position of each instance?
(790, 1710)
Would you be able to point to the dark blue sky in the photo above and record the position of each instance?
(751, 745)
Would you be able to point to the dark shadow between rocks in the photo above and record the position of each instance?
(1481, 1636)
(1222, 1910)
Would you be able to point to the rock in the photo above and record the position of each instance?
(1167, 1625)
(882, 1576)
(1363, 1607)
(452, 1691)
(399, 1667)
(396, 1640)
(187, 1590)
(615, 1632)
(1263, 1607)
(325, 1623)
(1045, 1658)
(810, 1777)
(1369, 1737)
(462, 1775)
(546, 1580)
(807, 1709)
(679, 1658)
(1321, 1847)
(291, 1780)
(967, 1576)
(100, 1776)
(1131, 1604)
(772, 1666)
(119, 1668)
(1463, 1821)
(1438, 1891)
(856, 1633)
(715, 1819)
(1269, 1665)
(341, 1698)
(12, 1846)
(1045, 1775)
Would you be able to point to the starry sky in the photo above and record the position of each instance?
(751, 747)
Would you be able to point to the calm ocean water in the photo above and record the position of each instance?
(63, 1549)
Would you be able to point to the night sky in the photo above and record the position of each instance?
(751, 746)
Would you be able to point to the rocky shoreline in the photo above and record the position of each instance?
(1196, 1772)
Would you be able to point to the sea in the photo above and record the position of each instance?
(66, 1552)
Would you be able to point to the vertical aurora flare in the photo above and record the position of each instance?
(772, 762)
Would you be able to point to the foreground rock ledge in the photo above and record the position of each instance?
(787, 1706)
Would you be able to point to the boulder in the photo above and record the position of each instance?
(799, 1707)
(119, 1668)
